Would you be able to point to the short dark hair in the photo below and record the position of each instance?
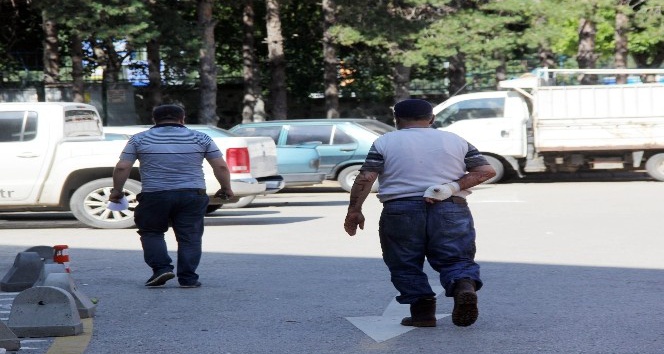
(167, 112)
(413, 109)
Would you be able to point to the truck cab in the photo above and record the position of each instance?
(29, 137)
(494, 122)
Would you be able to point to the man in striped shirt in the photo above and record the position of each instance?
(173, 192)
(423, 176)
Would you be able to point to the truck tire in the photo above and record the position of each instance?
(498, 166)
(655, 166)
(347, 178)
(88, 204)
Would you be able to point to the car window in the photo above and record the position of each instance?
(272, 132)
(377, 127)
(18, 126)
(300, 134)
(214, 132)
(116, 136)
(82, 122)
(340, 137)
(471, 109)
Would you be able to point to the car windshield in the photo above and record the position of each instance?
(120, 133)
(376, 126)
(213, 132)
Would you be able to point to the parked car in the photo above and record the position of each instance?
(343, 144)
(252, 161)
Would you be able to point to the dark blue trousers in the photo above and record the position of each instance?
(411, 230)
(184, 210)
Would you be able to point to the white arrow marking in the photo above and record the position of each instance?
(388, 326)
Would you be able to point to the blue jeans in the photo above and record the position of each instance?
(411, 230)
(184, 210)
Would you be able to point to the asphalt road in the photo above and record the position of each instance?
(569, 267)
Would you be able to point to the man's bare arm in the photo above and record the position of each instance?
(475, 176)
(361, 189)
(223, 176)
(121, 173)
(358, 194)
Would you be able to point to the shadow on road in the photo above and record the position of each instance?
(252, 303)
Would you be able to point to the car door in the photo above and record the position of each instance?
(24, 158)
(335, 145)
(292, 160)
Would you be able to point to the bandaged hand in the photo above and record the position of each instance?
(442, 191)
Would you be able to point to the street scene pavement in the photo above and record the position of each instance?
(568, 266)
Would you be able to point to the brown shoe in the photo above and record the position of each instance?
(422, 313)
(465, 303)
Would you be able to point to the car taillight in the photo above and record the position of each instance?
(237, 160)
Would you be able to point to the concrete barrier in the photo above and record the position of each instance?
(45, 252)
(8, 340)
(47, 269)
(44, 311)
(64, 281)
(24, 273)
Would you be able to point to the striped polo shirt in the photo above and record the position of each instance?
(411, 160)
(171, 157)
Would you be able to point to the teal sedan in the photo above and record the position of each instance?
(343, 144)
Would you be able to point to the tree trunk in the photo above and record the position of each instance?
(275, 45)
(207, 110)
(76, 52)
(586, 56)
(51, 50)
(401, 82)
(154, 73)
(457, 74)
(620, 35)
(248, 62)
(546, 57)
(113, 62)
(501, 69)
(330, 59)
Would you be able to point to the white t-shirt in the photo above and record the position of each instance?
(411, 160)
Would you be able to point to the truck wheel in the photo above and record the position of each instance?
(498, 166)
(347, 178)
(243, 202)
(655, 166)
(88, 203)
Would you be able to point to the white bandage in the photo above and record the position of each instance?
(442, 191)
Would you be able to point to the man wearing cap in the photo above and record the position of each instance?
(424, 175)
(173, 191)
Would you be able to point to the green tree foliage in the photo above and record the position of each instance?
(646, 38)
(20, 35)
(372, 37)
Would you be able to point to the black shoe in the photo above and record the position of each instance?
(465, 311)
(160, 279)
(422, 313)
(195, 285)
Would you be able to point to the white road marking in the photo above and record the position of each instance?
(388, 326)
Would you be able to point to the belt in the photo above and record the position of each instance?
(197, 190)
(452, 199)
(455, 200)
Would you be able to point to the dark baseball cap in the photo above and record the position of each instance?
(413, 108)
(167, 112)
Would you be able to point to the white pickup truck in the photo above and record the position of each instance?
(55, 157)
(539, 125)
